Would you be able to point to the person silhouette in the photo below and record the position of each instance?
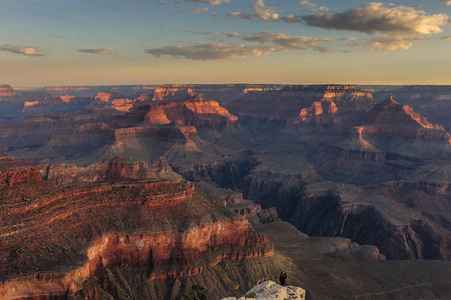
(283, 276)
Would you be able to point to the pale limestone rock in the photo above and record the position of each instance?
(269, 290)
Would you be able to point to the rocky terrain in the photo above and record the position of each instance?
(270, 290)
(363, 181)
(133, 239)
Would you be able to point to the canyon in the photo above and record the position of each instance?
(151, 231)
(342, 185)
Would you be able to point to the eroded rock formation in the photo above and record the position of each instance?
(151, 231)
(269, 290)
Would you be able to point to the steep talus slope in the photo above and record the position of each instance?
(155, 237)
(425, 189)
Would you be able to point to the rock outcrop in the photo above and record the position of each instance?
(269, 290)
(14, 171)
(225, 93)
(7, 90)
(115, 169)
(409, 124)
(287, 102)
(172, 93)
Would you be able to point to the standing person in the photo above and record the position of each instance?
(282, 278)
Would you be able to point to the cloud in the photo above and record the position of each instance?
(210, 2)
(284, 40)
(215, 51)
(264, 13)
(268, 42)
(233, 34)
(322, 49)
(307, 4)
(194, 11)
(161, 2)
(351, 38)
(201, 32)
(291, 19)
(105, 51)
(375, 17)
(353, 44)
(239, 15)
(390, 42)
(320, 9)
(446, 38)
(447, 2)
(24, 50)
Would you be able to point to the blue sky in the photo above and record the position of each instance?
(62, 42)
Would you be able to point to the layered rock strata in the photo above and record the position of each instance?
(77, 238)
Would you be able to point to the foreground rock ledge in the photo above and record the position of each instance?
(269, 290)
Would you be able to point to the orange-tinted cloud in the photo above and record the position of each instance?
(23, 50)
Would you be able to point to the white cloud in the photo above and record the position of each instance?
(215, 51)
(104, 51)
(282, 39)
(268, 41)
(390, 42)
(264, 13)
(210, 2)
(194, 11)
(375, 17)
(239, 15)
(24, 50)
(320, 9)
(307, 4)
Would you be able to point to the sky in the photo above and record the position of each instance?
(112, 42)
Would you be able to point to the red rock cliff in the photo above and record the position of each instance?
(155, 230)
